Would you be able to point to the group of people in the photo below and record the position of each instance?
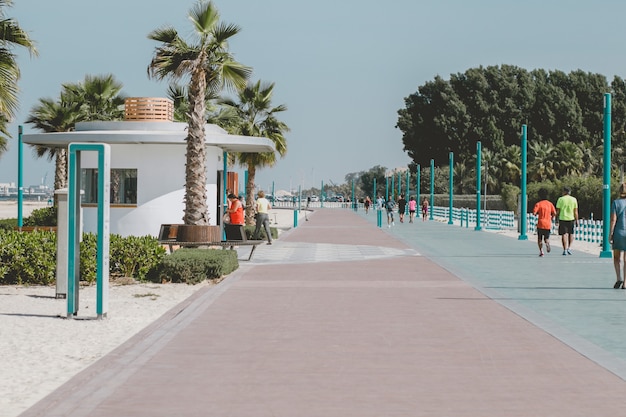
(235, 214)
(566, 211)
(390, 206)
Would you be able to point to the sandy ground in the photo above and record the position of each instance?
(8, 209)
(41, 349)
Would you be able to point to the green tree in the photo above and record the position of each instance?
(256, 116)
(96, 98)
(209, 65)
(11, 37)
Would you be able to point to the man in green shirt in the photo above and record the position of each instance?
(567, 213)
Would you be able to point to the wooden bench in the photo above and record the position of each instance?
(235, 236)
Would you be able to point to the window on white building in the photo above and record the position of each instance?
(123, 186)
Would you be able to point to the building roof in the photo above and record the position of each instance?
(131, 132)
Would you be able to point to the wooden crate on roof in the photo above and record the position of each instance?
(152, 109)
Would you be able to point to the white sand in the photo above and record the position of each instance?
(8, 209)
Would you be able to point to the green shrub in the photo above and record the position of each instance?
(192, 266)
(46, 216)
(510, 193)
(262, 236)
(8, 224)
(27, 258)
(88, 258)
(134, 256)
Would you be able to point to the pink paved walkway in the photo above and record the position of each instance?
(396, 336)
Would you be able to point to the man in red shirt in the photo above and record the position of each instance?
(546, 212)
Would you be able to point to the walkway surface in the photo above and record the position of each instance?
(342, 318)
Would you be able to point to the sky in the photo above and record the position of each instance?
(342, 68)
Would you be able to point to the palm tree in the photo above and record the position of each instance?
(11, 35)
(209, 65)
(55, 116)
(257, 117)
(100, 97)
(97, 98)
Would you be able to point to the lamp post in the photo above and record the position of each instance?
(524, 207)
(432, 188)
(606, 185)
(478, 168)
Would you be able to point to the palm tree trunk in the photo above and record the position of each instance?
(250, 194)
(196, 210)
(60, 171)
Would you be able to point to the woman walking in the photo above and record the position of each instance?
(618, 235)
(262, 217)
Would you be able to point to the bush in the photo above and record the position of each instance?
(27, 258)
(262, 236)
(193, 266)
(134, 256)
(8, 224)
(46, 216)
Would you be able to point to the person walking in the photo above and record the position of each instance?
(412, 208)
(617, 235)
(401, 207)
(567, 212)
(390, 205)
(367, 204)
(546, 212)
(262, 208)
(424, 209)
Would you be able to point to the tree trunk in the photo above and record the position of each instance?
(60, 171)
(250, 197)
(196, 210)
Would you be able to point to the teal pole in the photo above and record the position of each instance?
(408, 189)
(606, 185)
(322, 195)
(451, 186)
(273, 196)
(353, 200)
(393, 184)
(524, 197)
(245, 185)
(20, 181)
(408, 183)
(386, 188)
(432, 188)
(478, 182)
(418, 185)
(399, 184)
(375, 195)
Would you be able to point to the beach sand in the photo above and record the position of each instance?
(8, 208)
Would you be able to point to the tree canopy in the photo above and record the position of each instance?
(563, 112)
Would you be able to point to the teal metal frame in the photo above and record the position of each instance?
(103, 239)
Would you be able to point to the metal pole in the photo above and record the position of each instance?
(524, 207)
(322, 195)
(606, 185)
(451, 186)
(418, 185)
(386, 187)
(20, 182)
(478, 168)
(432, 188)
(375, 195)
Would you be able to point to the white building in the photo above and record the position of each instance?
(148, 168)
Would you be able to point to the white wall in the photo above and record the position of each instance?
(160, 187)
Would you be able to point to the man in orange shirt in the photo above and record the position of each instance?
(546, 212)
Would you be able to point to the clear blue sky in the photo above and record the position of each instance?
(343, 68)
